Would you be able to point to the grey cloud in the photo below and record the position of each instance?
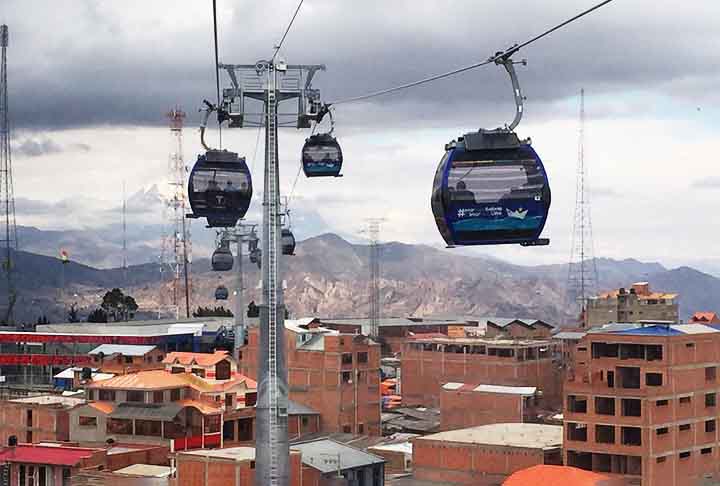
(129, 66)
(36, 148)
(707, 183)
(601, 192)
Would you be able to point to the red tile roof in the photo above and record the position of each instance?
(202, 359)
(143, 380)
(558, 476)
(51, 455)
(705, 317)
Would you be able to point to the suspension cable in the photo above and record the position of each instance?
(493, 59)
(217, 69)
(277, 48)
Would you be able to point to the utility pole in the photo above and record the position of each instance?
(271, 82)
(9, 240)
(582, 269)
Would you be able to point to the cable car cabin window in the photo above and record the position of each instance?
(220, 189)
(491, 196)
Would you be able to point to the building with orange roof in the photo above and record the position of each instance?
(545, 475)
(637, 304)
(154, 406)
(218, 365)
(705, 318)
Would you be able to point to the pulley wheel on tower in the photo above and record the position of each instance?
(322, 156)
(220, 188)
(287, 242)
(491, 189)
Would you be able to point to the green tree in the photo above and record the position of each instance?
(212, 312)
(98, 315)
(119, 306)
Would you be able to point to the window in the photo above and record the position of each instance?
(362, 357)
(347, 358)
(175, 395)
(684, 400)
(91, 394)
(631, 407)
(135, 396)
(87, 421)
(305, 421)
(706, 450)
(629, 376)
(361, 428)
(684, 427)
(689, 345)
(631, 436)
(577, 432)
(710, 373)
(158, 397)
(605, 434)
(710, 425)
(661, 431)
(710, 399)
(604, 406)
(653, 379)
(577, 404)
(684, 455)
(176, 370)
(347, 429)
(661, 403)
(128, 359)
(229, 400)
(107, 395)
(199, 372)
(346, 377)
(660, 459)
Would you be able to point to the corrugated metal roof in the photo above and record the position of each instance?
(507, 390)
(65, 402)
(452, 386)
(148, 470)
(671, 330)
(570, 335)
(323, 455)
(50, 455)
(124, 349)
(233, 453)
(533, 436)
(295, 408)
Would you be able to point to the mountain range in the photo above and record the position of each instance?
(328, 277)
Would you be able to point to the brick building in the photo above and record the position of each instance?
(468, 405)
(642, 404)
(335, 374)
(429, 363)
(36, 419)
(218, 365)
(633, 305)
(120, 359)
(485, 455)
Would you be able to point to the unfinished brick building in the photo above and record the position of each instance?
(465, 405)
(335, 374)
(642, 404)
(36, 419)
(429, 363)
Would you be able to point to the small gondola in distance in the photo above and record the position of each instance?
(221, 293)
(485, 194)
(222, 258)
(322, 156)
(220, 188)
(287, 241)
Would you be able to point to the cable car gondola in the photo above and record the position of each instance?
(322, 156)
(221, 293)
(220, 188)
(287, 242)
(222, 258)
(491, 188)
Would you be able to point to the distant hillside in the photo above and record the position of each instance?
(328, 277)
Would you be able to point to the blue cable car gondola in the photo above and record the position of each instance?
(221, 293)
(220, 188)
(491, 188)
(322, 156)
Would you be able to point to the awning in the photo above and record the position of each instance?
(146, 411)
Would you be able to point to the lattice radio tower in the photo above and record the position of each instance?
(373, 233)
(8, 239)
(582, 271)
(176, 244)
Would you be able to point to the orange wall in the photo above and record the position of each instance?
(462, 409)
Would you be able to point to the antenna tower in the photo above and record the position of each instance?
(176, 244)
(582, 271)
(124, 237)
(373, 232)
(8, 240)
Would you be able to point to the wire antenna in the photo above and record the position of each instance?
(582, 271)
(492, 60)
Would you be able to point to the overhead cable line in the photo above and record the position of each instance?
(217, 69)
(493, 59)
(277, 47)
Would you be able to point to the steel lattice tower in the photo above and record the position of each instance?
(582, 271)
(8, 241)
(373, 232)
(176, 244)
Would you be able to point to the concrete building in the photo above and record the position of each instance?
(31, 359)
(37, 419)
(465, 405)
(633, 305)
(429, 363)
(335, 374)
(120, 359)
(642, 404)
(485, 455)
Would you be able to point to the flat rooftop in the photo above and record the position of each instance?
(530, 436)
(65, 402)
(482, 341)
(231, 453)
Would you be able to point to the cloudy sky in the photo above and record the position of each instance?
(90, 82)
